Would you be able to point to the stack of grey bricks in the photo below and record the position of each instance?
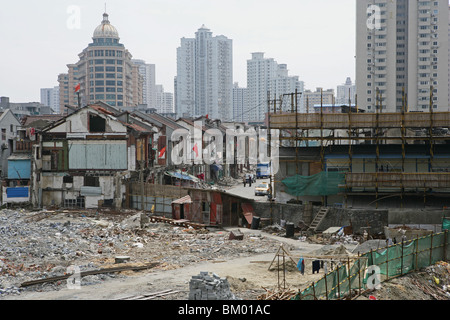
(210, 287)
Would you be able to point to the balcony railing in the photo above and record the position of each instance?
(24, 146)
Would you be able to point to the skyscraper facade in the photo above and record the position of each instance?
(50, 98)
(204, 81)
(259, 72)
(402, 52)
(240, 102)
(104, 72)
(268, 80)
(346, 93)
(148, 73)
(318, 98)
(164, 100)
(284, 84)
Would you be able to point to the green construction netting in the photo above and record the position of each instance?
(335, 284)
(392, 261)
(446, 224)
(321, 184)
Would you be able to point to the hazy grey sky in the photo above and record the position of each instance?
(316, 39)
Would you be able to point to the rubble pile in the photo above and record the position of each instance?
(432, 283)
(275, 229)
(228, 181)
(374, 245)
(330, 250)
(33, 249)
(336, 239)
(210, 287)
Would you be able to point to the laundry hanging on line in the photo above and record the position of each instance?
(316, 266)
(301, 265)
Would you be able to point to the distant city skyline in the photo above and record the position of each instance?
(204, 79)
(404, 56)
(296, 34)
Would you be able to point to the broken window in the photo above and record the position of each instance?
(54, 160)
(205, 207)
(74, 203)
(96, 124)
(91, 181)
(67, 179)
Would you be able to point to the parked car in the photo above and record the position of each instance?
(262, 189)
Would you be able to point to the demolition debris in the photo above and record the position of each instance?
(37, 248)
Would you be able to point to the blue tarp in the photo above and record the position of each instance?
(184, 176)
(17, 192)
(19, 169)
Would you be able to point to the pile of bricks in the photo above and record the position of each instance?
(210, 287)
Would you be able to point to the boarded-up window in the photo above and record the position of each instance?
(98, 155)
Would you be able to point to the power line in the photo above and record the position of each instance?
(250, 110)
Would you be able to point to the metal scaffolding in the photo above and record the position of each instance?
(352, 127)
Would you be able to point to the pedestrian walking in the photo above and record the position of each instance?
(245, 181)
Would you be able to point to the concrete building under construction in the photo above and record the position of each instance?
(357, 159)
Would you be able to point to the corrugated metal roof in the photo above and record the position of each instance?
(91, 191)
(150, 117)
(20, 156)
(186, 199)
(248, 212)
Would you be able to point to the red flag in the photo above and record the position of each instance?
(162, 152)
(77, 88)
(196, 150)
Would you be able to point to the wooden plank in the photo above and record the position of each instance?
(161, 295)
(150, 296)
(89, 273)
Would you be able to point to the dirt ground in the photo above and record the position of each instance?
(250, 265)
(249, 275)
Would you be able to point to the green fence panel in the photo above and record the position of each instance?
(438, 247)
(357, 273)
(446, 224)
(393, 261)
(423, 249)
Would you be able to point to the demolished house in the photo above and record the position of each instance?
(81, 160)
(213, 208)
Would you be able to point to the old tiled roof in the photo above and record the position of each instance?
(28, 120)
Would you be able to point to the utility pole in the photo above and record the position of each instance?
(142, 162)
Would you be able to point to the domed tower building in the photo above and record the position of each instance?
(105, 72)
